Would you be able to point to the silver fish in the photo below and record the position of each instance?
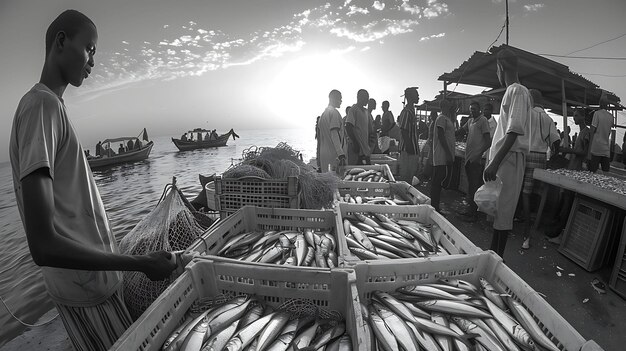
(394, 305)
(304, 337)
(251, 315)
(178, 341)
(527, 321)
(485, 337)
(272, 330)
(329, 335)
(381, 331)
(301, 249)
(471, 288)
(175, 333)
(195, 338)
(366, 220)
(226, 317)
(219, 340)
(246, 335)
(502, 335)
(426, 340)
(398, 328)
(510, 325)
(491, 293)
(452, 307)
(283, 341)
(425, 291)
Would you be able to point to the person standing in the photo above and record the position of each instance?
(478, 141)
(67, 229)
(599, 152)
(409, 143)
(373, 133)
(358, 127)
(443, 153)
(330, 135)
(509, 147)
(542, 136)
(387, 121)
(99, 148)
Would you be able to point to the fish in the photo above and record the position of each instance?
(310, 255)
(491, 293)
(510, 325)
(365, 254)
(175, 333)
(417, 312)
(195, 338)
(384, 245)
(460, 345)
(272, 330)
(394, 305)
(529, 324)
(244, 239)
(272, 254)
(458, 283)
(245, 336)
(501, 334)
(452, 307)
(329, 335)
(305, 336)
(226, 316)
(362, 238)
(398, 328)
(430, 326)
(425, 291)
(381, 217)
(426, 340)
(365, 227)
(251, 315)
(485, 338)
(282, 342)
(308, 236)
(180, 338)
(219, 340)
(366, 220)
(301, 249)
(382, 332)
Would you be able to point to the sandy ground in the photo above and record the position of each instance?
(601, 318)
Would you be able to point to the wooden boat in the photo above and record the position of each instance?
(220, 140)
(113, 158)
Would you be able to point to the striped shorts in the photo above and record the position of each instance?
(533, 160)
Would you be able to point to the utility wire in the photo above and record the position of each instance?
(605, 75)
(593, 46)
(498, 37)
(586, 57)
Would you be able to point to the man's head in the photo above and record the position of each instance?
(371, 105)
(362, 97)
(334, 98)
(70, 46)
(579, 117)
(447, 108)
(487, 110)
(347, 109)
(474, 109)
(412, 96)
(506, 62)
(385, 106)
(537, 97)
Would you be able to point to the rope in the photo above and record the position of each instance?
(21, 321)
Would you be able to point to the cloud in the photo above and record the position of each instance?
(191, 49)
(440, 35)
(533, 7)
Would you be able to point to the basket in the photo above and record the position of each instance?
(399, 189)
(211, 199)
(333, 292)
(587, 233)
(452, 239)
(234, 193)
(250, 218)
(381, 185)
(383, 159)
(385, 276)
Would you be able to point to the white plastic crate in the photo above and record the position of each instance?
(251, 218)
(400, 189)
(388, 276)
(333, 292)
(452, 239)
(380, 185)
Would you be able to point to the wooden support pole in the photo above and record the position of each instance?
(564, 103)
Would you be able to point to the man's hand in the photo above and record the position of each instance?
(490, 172)
(160, 267)
(342, 160)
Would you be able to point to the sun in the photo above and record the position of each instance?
(302, 86)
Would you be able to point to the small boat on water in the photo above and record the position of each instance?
(106, 156)
(204, 139)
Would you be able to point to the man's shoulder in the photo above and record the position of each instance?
(37, 96)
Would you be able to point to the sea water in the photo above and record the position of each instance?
(129, 193)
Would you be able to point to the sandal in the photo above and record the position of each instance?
(526, 244)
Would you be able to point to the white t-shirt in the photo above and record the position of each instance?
(43, 137)
(603, 121)
(515, 118)
(543, 132)
(330, 122)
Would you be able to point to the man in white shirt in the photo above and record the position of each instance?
(599, 151)
(507, 156)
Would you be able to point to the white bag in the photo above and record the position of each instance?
(486, 197)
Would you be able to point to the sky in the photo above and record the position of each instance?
(171, 66)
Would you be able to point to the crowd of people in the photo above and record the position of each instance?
(207, 136)
(508, 150)
(104, 150)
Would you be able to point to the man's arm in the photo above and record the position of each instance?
(592, 133)
(48, 248)
(356, 147)
(336, 140)
(494, 165)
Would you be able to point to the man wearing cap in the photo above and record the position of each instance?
(409, 143)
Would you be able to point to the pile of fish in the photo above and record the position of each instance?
(245, 324)
(358, 174)
(602, 181)
(376, 237)
(374, 200)
(452, 315)
(288, 247)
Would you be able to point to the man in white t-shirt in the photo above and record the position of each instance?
(507, 156)
(332, 151)
(66, 225)
(599, 151)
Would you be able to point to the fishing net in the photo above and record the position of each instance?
(171, 226)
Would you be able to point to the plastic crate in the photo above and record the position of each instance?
(587, 233)
(250, 218)
(234, 193)
(399, 189)
(383, 159)
(333, 292)
(452, 239)
(386, 276)
(381, 185)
